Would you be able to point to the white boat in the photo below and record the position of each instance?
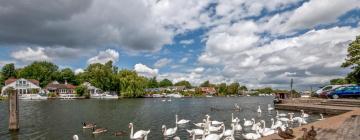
(67, 96)
(174, 95)
(157, 96)
(209, 96)
(104, 96)
(32, 97)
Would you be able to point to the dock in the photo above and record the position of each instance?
(343, 126)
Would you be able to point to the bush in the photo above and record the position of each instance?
(51, 94)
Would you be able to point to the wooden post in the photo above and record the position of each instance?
(13, 110)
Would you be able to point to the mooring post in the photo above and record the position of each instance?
(13, 110)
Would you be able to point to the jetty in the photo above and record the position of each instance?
(343, 125)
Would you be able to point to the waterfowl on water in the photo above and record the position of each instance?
(270, 108)
(87, 125)
(176, 138)
(98, 130)
(141, 134)
(280, 114)
(321, 117)
(259, 110)
(75, 137)
(248, 122)
(197, 132)
(284, 135)
(182, 121)
(312, 133)
(120, 133)
(168, 132)
(252, 136)
(303, 114)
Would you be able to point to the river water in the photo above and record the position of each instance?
(61, 119)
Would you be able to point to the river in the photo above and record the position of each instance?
(61, 119)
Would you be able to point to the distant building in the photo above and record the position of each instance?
(92, 89)
(176, 88)
(57, 88)
(22, 86)
(207, 90)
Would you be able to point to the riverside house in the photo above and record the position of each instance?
(62, 90)
(22, 86)
(207, 90)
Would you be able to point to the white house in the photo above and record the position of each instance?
(22, 86)
(92, 89)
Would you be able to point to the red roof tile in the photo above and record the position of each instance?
(11, 80)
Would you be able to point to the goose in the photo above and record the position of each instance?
(229, 132)
(321, 117)
(265, 131)
(252, 136)
(280, 114)
(120, 133)
(270, 108)
(182, 121)
(168, 132)
(284, 135)
(275, 125)
(259, 110)
(237, 126)
(98, 130)
(248, 122)
(305, 134)
(141, 134)
(196, 132)
(88, 125)
(75, 137)
(303, 114)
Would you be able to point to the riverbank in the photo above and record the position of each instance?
(345, 125)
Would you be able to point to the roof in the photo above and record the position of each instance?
(11, 80)
(208, 89)
(60, 86)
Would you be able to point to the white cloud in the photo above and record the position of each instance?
(162, 62)
(30, 54)
(105, 56)
(199, 69)
(79, 70)
(184, 60)
(145, 70)
(187, 42)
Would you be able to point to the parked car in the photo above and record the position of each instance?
(327, 88)
(345, 91)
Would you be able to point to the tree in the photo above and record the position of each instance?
(205, 84)
(8, 71)
(339, 81)
(221, 88)
(165, 83)
(41, 71)
(233, 88)
(68, 75)
(82, 91)
(152, 83)
(183, 83)
(101, 76)
(352, 60)
(131, 85)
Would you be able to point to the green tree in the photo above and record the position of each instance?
(165, 83)
(8, 71)
(82, 91)
(233, 88)
(152, 83)
(338, 81)
(101, 76)
(68, 75)
(353, 60)
(131, 85)
(221, 88)
(41, 71)
(205, 84)
(183, 83)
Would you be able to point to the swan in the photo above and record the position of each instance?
(98, 130)
(321, 117)
(229, 132)
(280, 114)
(75, 137)
(255, 126)
(213, 122)
(236, 106)
(275, 125)
(168, 132)
(237, 126)
(252, 136)
(259, 109)
(141, 134)
(196, 131)
(182, 121)
(214, 136)
(248, 122)
(303, 114)
(212, 128)
(270, 108)
(88, 125)
(283, 119)
(234, 120)
(176, 138)
(265, 131)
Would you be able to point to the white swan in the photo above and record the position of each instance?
(266, 131)
(214, 122)
(196, 132)
(280, 114)
(255, 126)
(237, 126)
(75, 137)
(252, 136)
(214, 136)
(321, 117)
(229, 132)
(259, 109)
(234, 120)
(248, 122)
(270, 108)
(304, 115)
(141, 134)
(283, 119)
(275, 125)
(176, 138)
(168, 132)
(182, 121)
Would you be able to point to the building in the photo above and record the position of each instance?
(92, 89)
(22, 86)
(207, 90)
(57, 88)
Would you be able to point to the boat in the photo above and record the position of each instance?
(209, 96)
(174, 95)
(67, 96)
(104, 96)
(32, 97)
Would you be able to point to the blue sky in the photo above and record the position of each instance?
(256, 43)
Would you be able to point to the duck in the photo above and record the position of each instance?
(252, 136)
(280, 114)
(88, 125)
(229, 132)
(168, 132)
(197, 132)
(248, 122)
(275, 125)
(321, 117)
(120, 133)
(312, 133)
(284, 135)
(182, 121)
(265, 131)
(141, 134)
(259, 110)
(270, 108)
(75, 137)
(98, 130)
(303, 114)
(305, 134)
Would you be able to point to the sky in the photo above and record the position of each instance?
(258, 43)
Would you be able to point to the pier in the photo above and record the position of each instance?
(344, 125)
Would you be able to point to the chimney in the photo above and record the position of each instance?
(65, 82)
